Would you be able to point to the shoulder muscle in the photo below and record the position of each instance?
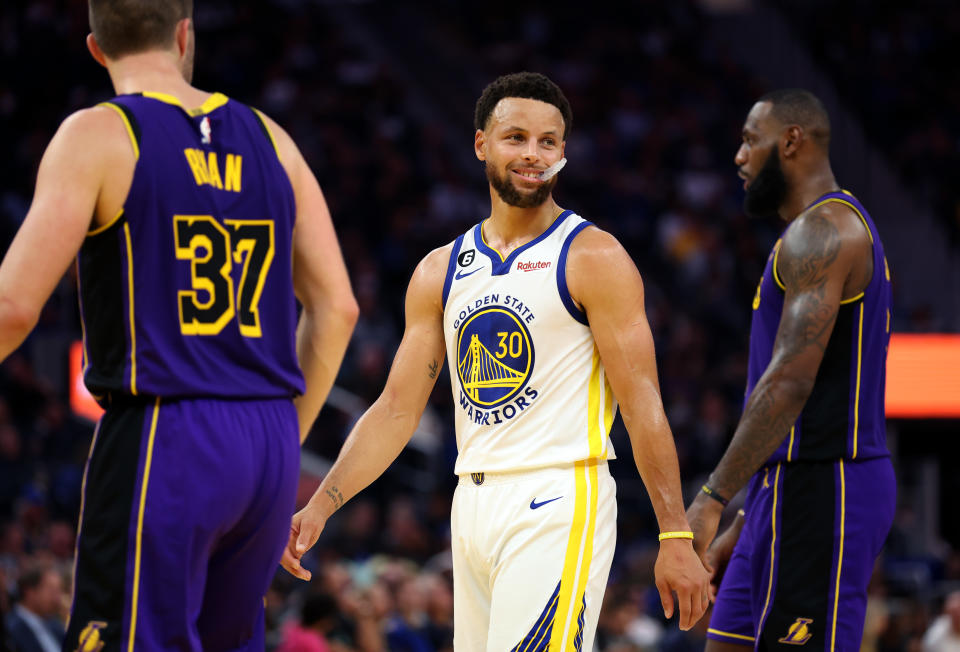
(821, 244)
(599, 266)
(426, 284)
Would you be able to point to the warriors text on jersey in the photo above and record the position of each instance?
(528, 385)
(844, 416)
(188, 290)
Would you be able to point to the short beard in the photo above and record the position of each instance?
(768, 189)
(510, 195)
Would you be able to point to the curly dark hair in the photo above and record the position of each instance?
(530, 85)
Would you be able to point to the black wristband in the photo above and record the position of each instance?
(713, 494)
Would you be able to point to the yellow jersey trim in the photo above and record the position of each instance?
(484, 239)
(773, 548)
(103, 227)
(855, 210)
(83, 495)
(856, 396)
(608, 413)
(576, 566)
(133, 329)
(266, 128)
(600, 409)
(860, 215)
(212, 103)
(594, 399)
(865, 225)
(836, 594)
(83, 343)
(126, 123)
(164, 97)
(143, 505)
(776, 257)
(569, 576)
(848, 205)
(853, 299)
(584, 576)
(711, 630)
(790, 445)
(776, 253)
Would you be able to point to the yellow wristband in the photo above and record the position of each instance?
(676, 535)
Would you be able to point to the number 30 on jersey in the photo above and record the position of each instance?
(212, 249)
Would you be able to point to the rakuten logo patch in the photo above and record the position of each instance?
(532, 267)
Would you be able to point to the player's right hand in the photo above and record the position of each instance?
(305, 527)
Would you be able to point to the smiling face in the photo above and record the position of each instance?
(758, 162)
(521, 139)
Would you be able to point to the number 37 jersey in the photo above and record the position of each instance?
(528, 385)
(188, 291)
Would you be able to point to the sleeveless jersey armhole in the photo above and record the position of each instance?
(562, 288)
(451, 266)
(266, 131)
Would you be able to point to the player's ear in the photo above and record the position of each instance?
(478, 142)
(95, 50)
(183, 35)
(791, 139)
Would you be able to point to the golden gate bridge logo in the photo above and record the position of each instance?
(480, 369)
(494, 356)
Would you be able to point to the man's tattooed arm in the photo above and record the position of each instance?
(335, 496)
(433, 367)
(813, 272)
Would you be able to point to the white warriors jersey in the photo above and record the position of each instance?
(528, 385)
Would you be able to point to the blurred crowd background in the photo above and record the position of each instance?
(379, 95)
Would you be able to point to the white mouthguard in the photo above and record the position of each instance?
(553, 169)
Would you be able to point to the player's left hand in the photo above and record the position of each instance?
(679, 569)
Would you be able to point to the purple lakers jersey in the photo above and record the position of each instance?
(844, 416)
(188, 291)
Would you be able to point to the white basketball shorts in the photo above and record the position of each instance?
(531, 556)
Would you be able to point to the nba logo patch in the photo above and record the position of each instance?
(205, 132)
(799, 633)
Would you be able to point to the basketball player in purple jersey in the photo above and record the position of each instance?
(196, 224)
(811, 441)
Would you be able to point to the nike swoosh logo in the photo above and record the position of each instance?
(534, 504)
(461, 275)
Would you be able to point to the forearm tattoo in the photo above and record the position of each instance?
(335, 496)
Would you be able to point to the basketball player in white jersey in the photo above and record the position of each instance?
(541, 317)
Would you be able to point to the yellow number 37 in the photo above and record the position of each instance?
(212, 249)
